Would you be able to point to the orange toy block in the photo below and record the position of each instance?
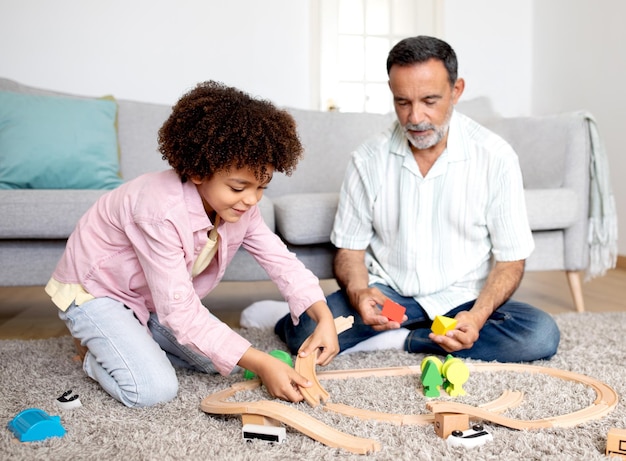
(442, 324)
(393, 311)
(445, 423)
(616, 443)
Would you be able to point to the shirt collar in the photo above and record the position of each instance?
(197, 214)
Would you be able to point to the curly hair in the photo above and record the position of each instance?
(215, 128)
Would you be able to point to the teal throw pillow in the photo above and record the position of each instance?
(55, 142)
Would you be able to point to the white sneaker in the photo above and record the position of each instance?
(263, 314)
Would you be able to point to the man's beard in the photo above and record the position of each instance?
(429, 140)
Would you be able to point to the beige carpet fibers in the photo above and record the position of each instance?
(35, 373)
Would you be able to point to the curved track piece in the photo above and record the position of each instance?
(316, 393)
(300, 421)
(508, 399)
(606, 400)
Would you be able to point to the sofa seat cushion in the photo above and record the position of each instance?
(53, 214)
(43, 214)
(306, 219)
(550, 209)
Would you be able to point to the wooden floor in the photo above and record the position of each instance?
(28, 313)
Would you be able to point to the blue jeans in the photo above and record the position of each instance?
(515, 332)
(132, 362)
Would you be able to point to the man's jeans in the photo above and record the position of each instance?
(515, 332)
(132, 362)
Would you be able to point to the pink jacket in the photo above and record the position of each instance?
(138, 243)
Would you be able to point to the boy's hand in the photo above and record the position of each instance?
(324, 337)
(280, 379)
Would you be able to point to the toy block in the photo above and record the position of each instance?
(446, 423)
(277, 353)
(457, 374)
(431, 379)
(432, 358)
(616, 443)
(442, 324)
(393, 311)
(34, 425)
(344, 323)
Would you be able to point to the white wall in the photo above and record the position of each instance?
(580, 63)
(154, 50)
(493, 42)
(529, 56)
(535, 57)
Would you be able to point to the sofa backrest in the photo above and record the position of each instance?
(552, 149)
(328, 139)
(544, 144)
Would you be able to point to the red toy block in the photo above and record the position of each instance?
(393, 311)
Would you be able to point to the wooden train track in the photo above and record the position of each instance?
(316, 393)
(606, 400)
(507, 400)
(317, 430)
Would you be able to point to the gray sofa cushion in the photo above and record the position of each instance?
(550, 209)
(43, 213)
(539, 145)
(53, 214)
(139, 124)
(306, 219)
(328, 139)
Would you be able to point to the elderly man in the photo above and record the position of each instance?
(432, 216)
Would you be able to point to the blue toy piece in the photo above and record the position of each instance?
(33, 425)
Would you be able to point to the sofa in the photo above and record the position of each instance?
(554, 154)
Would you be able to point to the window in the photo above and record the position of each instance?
(355, 38)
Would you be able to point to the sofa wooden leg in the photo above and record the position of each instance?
(576, 289)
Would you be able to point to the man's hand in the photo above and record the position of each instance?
(463, 336)
(351, 274)
(503, 280)
(367, 303)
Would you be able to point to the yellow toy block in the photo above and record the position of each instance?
(442, 324)
(457, 374)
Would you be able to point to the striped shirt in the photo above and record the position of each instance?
(434, 238)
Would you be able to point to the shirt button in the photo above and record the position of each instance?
(176, 296)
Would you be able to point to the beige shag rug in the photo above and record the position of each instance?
(35, 373)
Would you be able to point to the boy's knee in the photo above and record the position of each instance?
(161, 389)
